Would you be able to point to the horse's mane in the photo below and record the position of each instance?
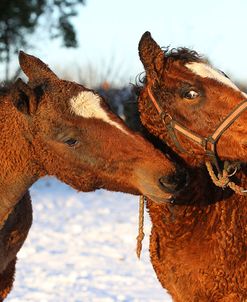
(183, 54)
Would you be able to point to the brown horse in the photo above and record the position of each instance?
(198, 244)
(55, 127)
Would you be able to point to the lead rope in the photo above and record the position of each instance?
(141, 234)
(223, 180)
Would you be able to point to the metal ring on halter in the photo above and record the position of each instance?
(233, 173)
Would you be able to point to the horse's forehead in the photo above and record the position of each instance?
(88, 105)
(206, 71)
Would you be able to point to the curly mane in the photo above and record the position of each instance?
(183, 54)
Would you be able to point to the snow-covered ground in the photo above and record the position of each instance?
(81, 248)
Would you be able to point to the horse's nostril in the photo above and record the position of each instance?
(174, 182)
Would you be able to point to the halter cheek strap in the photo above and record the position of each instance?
(208, 143)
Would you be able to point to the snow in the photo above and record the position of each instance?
(81, 248)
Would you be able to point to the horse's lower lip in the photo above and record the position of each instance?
(169, 199)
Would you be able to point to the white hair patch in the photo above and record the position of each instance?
(87, 105)
(206, 71)
(244, 94)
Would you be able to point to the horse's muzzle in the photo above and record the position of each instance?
(175, 182)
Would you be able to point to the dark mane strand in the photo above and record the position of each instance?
(140, 82)
(183, 54)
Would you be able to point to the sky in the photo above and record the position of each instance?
(109, 31)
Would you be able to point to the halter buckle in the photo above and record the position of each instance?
(166, 118)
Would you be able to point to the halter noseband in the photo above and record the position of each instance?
(208, 143)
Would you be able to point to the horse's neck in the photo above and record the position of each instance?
(209, 210)
(17, 173)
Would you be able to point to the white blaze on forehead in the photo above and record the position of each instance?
(206, 71)
(87, 104)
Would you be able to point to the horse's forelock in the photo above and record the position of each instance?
(183, 54)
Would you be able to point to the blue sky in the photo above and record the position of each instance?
(109, 31)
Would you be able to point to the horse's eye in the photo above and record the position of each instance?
(71, 142)
(192, 94)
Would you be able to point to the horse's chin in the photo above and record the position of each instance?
(161, 200)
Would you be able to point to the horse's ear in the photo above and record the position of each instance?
(24, 98)
(34, 68)
(151, 55)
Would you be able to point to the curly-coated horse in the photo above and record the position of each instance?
(55, 127)
(198, 244)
